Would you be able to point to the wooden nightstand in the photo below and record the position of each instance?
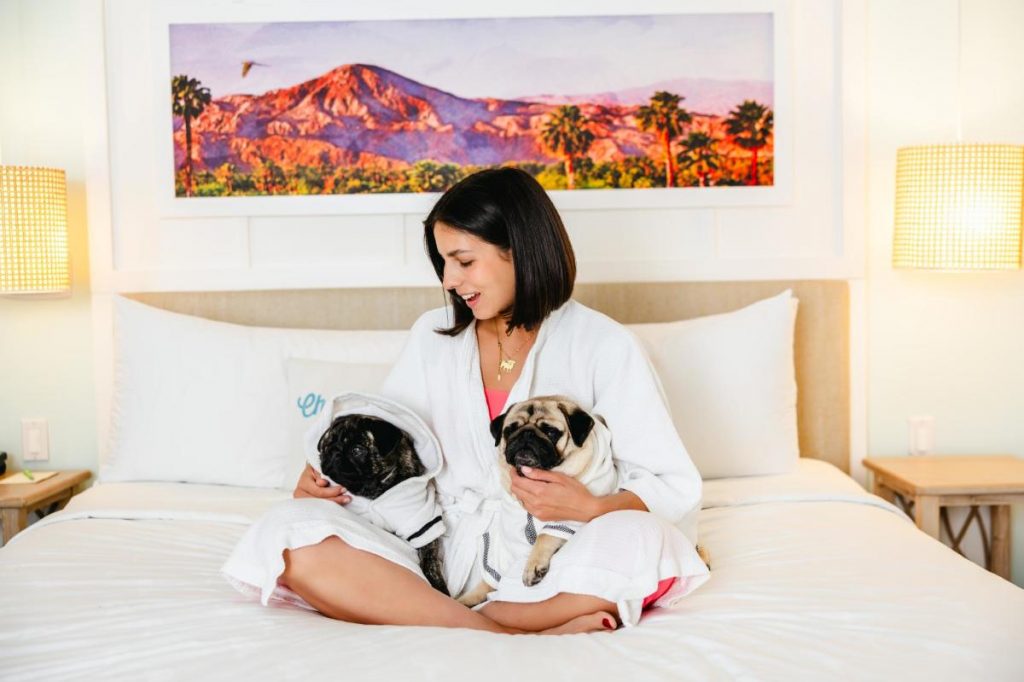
(925, 486)
(16, 501)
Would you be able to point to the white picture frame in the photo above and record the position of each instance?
(166, 13)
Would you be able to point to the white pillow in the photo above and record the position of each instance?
(731, 386)
(311, 385)
(207, 402)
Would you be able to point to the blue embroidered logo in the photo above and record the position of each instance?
(310, 404)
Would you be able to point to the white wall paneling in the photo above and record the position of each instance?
(805, 234)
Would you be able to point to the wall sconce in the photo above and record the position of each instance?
(958, 207)
(33, 231)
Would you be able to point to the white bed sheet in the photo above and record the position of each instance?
(811, 579)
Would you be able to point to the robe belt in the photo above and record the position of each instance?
(470, 502)
(469, 516)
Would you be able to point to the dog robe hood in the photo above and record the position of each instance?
(410, 509)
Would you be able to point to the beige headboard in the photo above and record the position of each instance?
(822, 328)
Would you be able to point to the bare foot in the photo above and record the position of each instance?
(590, 622)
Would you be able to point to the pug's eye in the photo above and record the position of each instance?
(509, 430)
(551, 432)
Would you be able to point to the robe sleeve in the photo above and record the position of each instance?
(650, 457)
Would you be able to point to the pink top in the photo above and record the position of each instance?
(496, 399)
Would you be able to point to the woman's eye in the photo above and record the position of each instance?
(466, 265)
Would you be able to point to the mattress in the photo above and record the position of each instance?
(812, 578)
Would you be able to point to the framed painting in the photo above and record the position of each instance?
(337, 110)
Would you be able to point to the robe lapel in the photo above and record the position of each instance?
(473, 401)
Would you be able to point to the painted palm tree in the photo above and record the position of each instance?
(751, 125)
(188, 99)
(666, 118)
(699, 153)
(566, 134)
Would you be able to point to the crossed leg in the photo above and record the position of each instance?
(349, 584)
(550, 612)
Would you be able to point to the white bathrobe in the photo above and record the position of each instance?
(394, 525)
(582, 354)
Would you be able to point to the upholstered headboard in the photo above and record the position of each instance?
(821, 342)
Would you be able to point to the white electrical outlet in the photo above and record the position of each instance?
(922, 435)
(35, 440)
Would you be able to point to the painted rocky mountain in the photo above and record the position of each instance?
(360, 115)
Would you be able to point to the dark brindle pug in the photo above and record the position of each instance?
(552, 433)
(369, 456)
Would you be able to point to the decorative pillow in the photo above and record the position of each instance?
(311, 385)
(207, 402)
(731, 386)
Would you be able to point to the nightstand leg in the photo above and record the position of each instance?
(882, 491)
(14, 520)
(1001, 540)
(926, 514)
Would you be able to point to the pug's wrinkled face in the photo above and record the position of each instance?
(541, 433)
(367, 455)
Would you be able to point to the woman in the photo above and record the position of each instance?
(499, 248)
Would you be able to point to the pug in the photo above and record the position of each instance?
(555, 434)
(369, 456)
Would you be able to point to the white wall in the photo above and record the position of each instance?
(803, 238)
(46, 351)
(949, 345)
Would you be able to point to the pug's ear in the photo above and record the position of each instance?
(385, 434)
(580, 424)
(497, 424)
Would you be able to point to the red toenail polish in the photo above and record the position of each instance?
(607, 623)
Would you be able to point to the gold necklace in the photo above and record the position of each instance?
(506, 363)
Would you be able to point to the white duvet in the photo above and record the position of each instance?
(811, 579)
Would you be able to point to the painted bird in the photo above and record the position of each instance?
(248, 65)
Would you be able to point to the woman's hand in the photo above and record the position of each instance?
(312, 484)
(553, 496)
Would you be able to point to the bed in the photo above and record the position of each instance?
(813, 578)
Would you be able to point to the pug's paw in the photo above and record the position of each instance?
(475, 596)
(470, 600)
(535, 572)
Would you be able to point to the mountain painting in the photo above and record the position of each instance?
(581, 103)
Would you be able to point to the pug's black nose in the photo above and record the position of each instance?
(529, 449)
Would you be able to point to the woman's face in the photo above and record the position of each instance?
(479, 272)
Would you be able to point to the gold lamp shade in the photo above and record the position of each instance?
(958, 207)
(33, 231)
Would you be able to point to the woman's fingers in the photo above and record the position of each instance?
(542, 475)
(312, 484)
(523, 486)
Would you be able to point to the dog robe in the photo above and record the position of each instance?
(404, 518)
(586, 356)
(507, 544)
(409, 509)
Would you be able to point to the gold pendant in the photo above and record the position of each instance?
(507, 365)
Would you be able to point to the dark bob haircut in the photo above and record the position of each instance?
(508, 208)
